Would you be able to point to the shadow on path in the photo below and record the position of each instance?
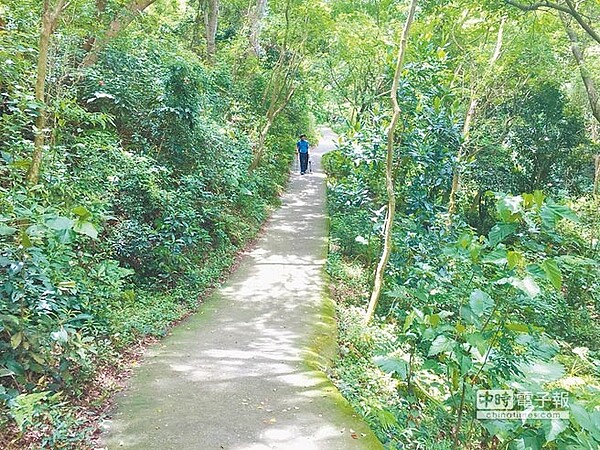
(234, 376)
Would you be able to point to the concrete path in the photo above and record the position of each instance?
(242, 374)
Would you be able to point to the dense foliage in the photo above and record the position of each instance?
(144, 197)
(502, 293)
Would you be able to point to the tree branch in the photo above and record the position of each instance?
(569, 9)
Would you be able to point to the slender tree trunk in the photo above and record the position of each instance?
(197, 26)
(280, 88)
(596, 174)
(88, 45)
(595, 127)
(456, 176)
(118, 24)
(272, 114)
(256, 17)
(389, 162)
(459, 156)
(211, 17)
(49, 21)
(588, 82)
(590, 88)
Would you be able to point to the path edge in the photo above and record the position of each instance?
(321, 351)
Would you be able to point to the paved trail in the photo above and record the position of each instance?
(235, 376)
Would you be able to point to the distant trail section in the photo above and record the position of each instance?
(242, 373)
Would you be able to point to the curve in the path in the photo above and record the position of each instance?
(240, 374)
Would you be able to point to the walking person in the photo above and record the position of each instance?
(302, 148)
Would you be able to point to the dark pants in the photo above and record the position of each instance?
(303, 162)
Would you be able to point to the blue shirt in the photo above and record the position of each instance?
(302, 146)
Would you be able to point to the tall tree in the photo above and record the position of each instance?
(282, 81)
(211, 17)
(389, 168)
(475, 93)
(255, 18)
(590, 88)
(118, 23)
(50, 16)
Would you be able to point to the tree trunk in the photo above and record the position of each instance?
(467, 126)
(49, 20)
(596, 173)
(280, 88)
(595, 127)
(459, 156)
(118, 24)
(256, 17)
(590, 86)
(211, 17)
(590, 89)
(389, 179)
(197, 26)
(272, 114)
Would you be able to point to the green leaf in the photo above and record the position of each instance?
(386, 419)
(82, 212)
(535, 269)
(478, 341)
(60, 223)
(518, 327)
(25, 240)
(408, 321)
(498, 257)
(542, 372)
(440, 344)
(85, 227)
(538, 197)
(581, 416)
(480, 302)
(474, 251)
(64, 236)
(468, 315)
(527, 285)
(397, 292)
(5, 230)
(15, 367)
(552, 428)
(528, 200)
(551, 213)
(531, 442)
(392, 365)
(501, 231)
(5, 372)
(552, 272)
(514, 259)
(38, 358)
(465, 240)
(16, 339)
